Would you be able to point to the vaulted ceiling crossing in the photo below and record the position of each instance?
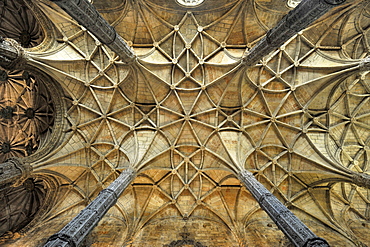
(188, 115)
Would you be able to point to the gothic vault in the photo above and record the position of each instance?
(187, 97)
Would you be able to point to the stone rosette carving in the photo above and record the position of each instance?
(22, 27)
(30, 105)
(25, 205)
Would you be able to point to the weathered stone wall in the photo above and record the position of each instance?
(164, 231)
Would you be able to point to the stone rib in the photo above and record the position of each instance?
(298, 233)
(296, 20)
(86, 15)
(79, 227)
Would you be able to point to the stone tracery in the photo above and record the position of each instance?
(27, 113)
(182, 126)
(26, 30)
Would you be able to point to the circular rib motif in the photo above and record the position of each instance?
(349, 123)
(26, 113)
(20, 205)
(19, 23)
(188, 114)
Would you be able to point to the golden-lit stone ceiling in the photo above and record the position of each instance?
(27, 113)
(188, 115)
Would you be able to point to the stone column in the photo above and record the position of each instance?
(298, 233)
(12, 55)
(76, 231)
(296, 20)
(14, 172)
(86, 15)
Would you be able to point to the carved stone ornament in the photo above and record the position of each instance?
(21, 204)
(19, 23)
(185, 241)
(293, 3)
(316, 242)
(27, 113)
(190, 3)
(365, 64)
(14, 172)
(361, 179)
(12, 55)
(86, 15)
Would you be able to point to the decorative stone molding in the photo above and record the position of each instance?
(14, 171)
(77, 230)
(298, 233)
(185, 241)
(12, 55)
(86, 15)
(361, 179)
(190, 3)
(26, 205)
(296, 20)
(365, 64)
(31, 113)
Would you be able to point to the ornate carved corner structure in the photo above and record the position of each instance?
(365, 64)
(77, 230)
(361, 179)
(14, 172)
(86, 15)
(298, 233)
(185, 241)
(296, 20)
(12, 55)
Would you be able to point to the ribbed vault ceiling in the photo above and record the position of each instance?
(188, 115)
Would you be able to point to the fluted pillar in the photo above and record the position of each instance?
(12, 55)
(14, 172)
(296, 20)
(298, 233)
(86, 15)
(76, 231)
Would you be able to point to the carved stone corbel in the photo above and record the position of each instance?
(14, 172)
(361, 179)
(365, 64)
(12, 55)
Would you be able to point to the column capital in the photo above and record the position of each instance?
(12, 54)
(316, 242)
(361, 179)
(365, 64)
